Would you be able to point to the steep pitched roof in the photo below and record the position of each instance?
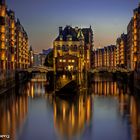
(67, 32)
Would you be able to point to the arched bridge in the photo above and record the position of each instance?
(37, 69)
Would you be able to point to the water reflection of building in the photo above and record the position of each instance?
(71, 117)
(13, 111)
(36, 89)
(105, 88)
(129, 107)
(105, 85)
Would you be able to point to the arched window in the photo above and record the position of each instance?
(75, 48)
(58, 47)
(65, 48)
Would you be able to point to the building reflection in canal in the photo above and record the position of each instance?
(74, 118)
(129, 106)
(13, 112)
(71, 117)
(36, 89)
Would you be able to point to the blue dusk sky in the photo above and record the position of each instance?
(42, 18)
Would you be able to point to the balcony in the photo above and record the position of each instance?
(135, 58)
(2, 55)
(2, 37)
(2, 11)
(12, 58)
(2, 30)
(2, 44)
(135, 49)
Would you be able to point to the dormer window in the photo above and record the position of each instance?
(61, 37)
(69, 37)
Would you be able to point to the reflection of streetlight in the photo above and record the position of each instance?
(64, 76)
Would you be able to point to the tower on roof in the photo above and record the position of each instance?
(80, 35)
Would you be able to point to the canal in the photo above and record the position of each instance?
(105, 111)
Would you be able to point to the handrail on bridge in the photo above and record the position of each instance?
(109, 69)
(41, 69)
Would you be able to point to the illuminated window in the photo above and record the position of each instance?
(135, 49)
(12, 25)
(2, 37)
(12, 32)
(135, 16)
(64, 60)
(60, 60)
(135, 31)
(135, 24)
(3, 29)
(69, 37)
(2, 12)
(135, 58)
(135, 37)
(135, 43)
(73, 61)
(61, 37)
(69, 60)
(2, 55)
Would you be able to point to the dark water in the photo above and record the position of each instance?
(106, 111)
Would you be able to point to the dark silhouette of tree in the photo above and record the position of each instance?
(49, 59)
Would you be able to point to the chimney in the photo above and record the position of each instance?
(60, 30)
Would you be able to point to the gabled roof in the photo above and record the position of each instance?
(75, 34)
(67, 32)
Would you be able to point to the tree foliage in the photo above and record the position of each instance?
(49, 59)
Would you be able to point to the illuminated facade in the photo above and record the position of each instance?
(14, 53)
(22, 56)
(2, 36)
(121, 51)
(133, 30)
(7, 42)
(72, 49)
(10, 45)
(105, 57)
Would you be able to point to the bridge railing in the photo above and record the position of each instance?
(110, 69)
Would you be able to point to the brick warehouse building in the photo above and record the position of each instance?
(72, 49)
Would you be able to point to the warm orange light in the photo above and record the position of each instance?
(135, 37)
(135, 49)
(2, 45)
(13, 25)
(12, 58)
(135, 30)
(2, 29)
(3, 37)
(135, 58)
(2, 12)
(2, 55)
(135, 43)
(135, 16)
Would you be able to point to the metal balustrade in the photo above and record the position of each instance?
(109, 69)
